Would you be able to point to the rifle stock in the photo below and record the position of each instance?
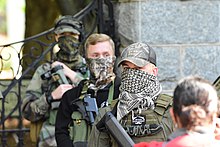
(110, 123)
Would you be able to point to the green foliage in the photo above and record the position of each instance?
(2, 5)
(3, 16)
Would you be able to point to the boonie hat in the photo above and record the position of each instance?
(139, 54)
(67, 24)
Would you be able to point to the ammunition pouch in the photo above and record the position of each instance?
(79, 130)
(83, 118)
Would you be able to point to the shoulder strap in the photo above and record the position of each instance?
(162, 103)
(113, 106)
(84, 89)
(111, 92)
(216, 84)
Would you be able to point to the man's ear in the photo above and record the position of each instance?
(155, 71)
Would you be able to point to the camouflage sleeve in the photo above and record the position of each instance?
(1, 96)
(35, 106)
(79, 77)
(96, 138)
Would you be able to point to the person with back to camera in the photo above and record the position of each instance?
(44, 92)
(142, 110)
(79, 106)
(195, 110)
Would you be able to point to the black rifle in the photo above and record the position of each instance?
(56, 74)
(111, 124)
(88, 108)
(91, 108)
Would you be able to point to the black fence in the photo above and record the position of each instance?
(21, 62)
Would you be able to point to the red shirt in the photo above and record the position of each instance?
(188, 140)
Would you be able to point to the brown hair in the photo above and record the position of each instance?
(195, 102)
(96, 38)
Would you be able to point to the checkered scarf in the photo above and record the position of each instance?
(138, 90)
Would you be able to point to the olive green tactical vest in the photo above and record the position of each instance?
(150, 125)
(80, 130)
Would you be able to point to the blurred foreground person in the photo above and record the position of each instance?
(195, 111)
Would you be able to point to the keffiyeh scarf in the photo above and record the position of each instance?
(138, 90)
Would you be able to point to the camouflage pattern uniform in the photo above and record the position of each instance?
(35, 106)
(1, 96)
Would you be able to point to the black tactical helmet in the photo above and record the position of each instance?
(69, 23)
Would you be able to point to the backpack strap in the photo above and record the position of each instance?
(162, 103)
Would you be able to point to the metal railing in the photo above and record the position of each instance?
(32, 52)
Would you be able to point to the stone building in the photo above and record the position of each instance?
(184, 33)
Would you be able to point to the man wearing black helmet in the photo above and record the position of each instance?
(43, 94)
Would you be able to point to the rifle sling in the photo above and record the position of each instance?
(85, 88)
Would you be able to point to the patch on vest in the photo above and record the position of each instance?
(104, 104)
(138, 120)
(143, 130)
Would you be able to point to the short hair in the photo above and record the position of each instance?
(95, 38)
(195, 101)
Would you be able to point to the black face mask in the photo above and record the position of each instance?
(69, 49)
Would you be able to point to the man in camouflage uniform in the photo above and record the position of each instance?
(1, 96)
(141, 109)
(44, 93)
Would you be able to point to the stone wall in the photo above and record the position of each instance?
(184, 34)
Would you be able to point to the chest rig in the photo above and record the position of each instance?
(83, 118)
(149, 122)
